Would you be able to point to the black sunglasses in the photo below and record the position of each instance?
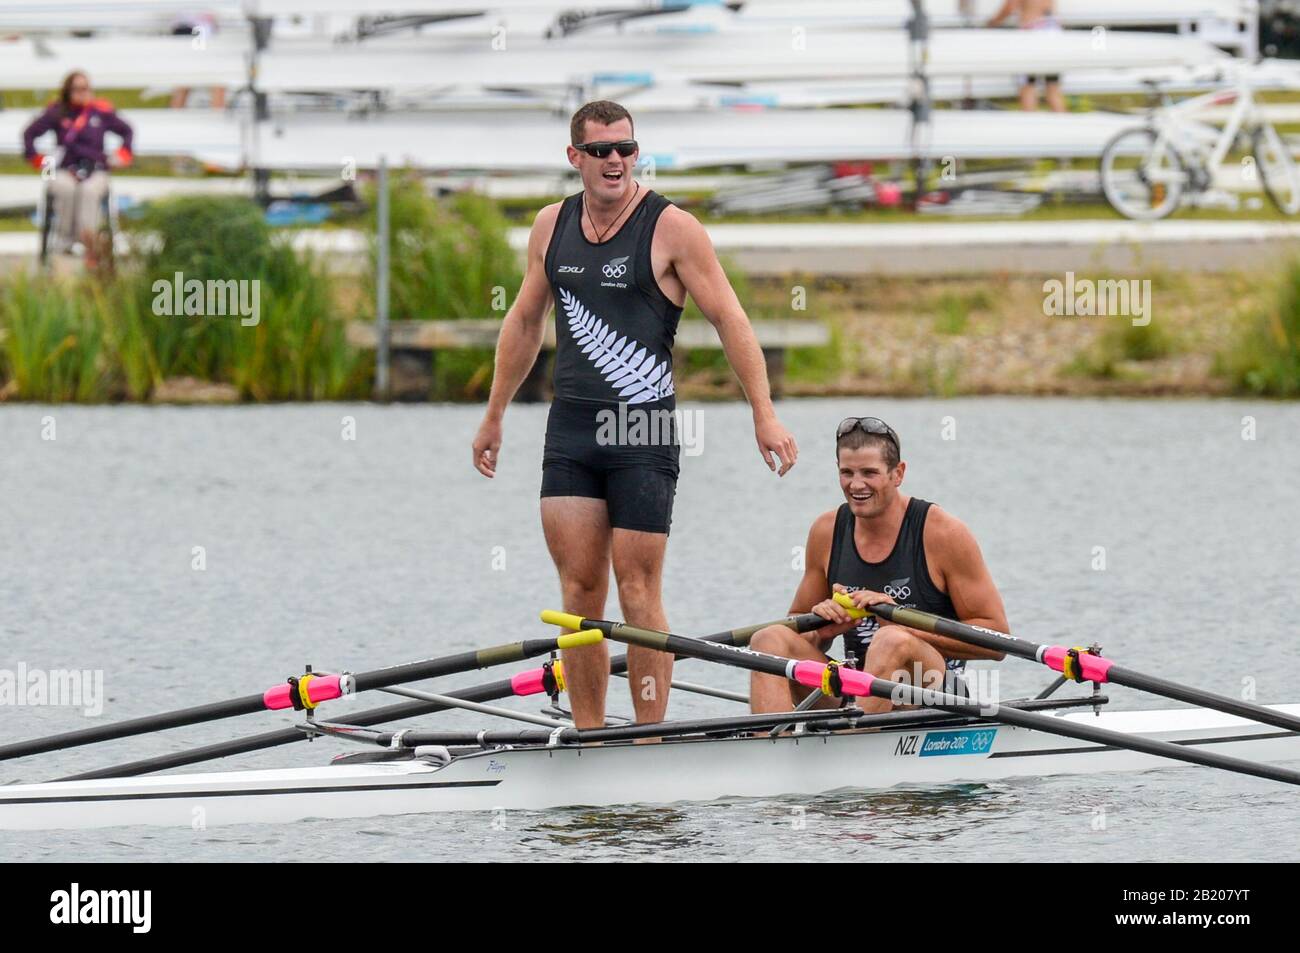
(871, 425)
(600, 150)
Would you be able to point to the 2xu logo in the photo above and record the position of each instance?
(617, 267)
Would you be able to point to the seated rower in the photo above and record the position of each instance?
(882, 546)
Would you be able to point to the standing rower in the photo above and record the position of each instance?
(617, 261)
(882, 546)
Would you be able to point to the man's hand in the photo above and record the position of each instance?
(773, 438)
(862, 598)
(824, 634)
(837, 616)
(486, 444)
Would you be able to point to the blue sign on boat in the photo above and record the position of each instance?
(967, 741)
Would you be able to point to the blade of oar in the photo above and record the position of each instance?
(841, 680)
(329, 685)
(491, 691)
(1076, 664)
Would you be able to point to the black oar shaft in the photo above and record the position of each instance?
(1082, 731)
(454, 664)
(248, 704)
(1122, 675)
(134, 726)
(284, 736)
(492, 691)
(907, 694)
(1118, 674)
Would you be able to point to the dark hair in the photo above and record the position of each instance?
(602, 111)
(858, 438)
(65, 93)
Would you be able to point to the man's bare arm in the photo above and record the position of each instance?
(520, 341)
(697, 265)
(524, 326)
(700, 272)
(814, 587)
(958, 566)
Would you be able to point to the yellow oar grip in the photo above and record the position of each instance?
(572, 640)
(843, 599)
(565, 620)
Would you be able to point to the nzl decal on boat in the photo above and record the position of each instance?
(934, 743)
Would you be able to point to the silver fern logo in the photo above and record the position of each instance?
(616, 267)
(630, 369)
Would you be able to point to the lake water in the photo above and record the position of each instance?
(360, 553)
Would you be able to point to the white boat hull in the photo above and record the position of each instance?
(681, 770)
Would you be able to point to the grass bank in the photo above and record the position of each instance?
(131, 335)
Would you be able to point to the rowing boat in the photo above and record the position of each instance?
(537, 776)
(947, 739)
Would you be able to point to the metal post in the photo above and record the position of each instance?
(381, 286)
(918, 35)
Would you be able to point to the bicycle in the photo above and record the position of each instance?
(1148, 171)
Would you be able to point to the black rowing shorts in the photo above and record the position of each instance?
(627, 457)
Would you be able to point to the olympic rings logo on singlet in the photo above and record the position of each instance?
(616, 268)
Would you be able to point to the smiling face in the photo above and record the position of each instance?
(607, 180)
(870, 487)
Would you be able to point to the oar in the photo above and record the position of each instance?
(525, 683)
(834, 679)
(304, 691)
(1076, 664)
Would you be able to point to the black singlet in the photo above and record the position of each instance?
(611, 433)
(903, 574)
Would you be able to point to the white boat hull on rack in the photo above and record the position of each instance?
(536, 778)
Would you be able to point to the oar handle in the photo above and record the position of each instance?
(565, 620)
(572, 640)
(842, 598)
(1077, 664)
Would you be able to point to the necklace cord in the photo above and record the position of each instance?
(636, 188)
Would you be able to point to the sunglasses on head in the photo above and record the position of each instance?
(600, 150)
(871, 425)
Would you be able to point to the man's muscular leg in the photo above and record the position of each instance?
(638, 559)
(773, 693)
(578, 536)
(899, 655)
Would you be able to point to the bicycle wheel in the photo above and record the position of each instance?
(1142, 177)
(1277, 170)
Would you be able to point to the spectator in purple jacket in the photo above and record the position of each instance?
(80, 173)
